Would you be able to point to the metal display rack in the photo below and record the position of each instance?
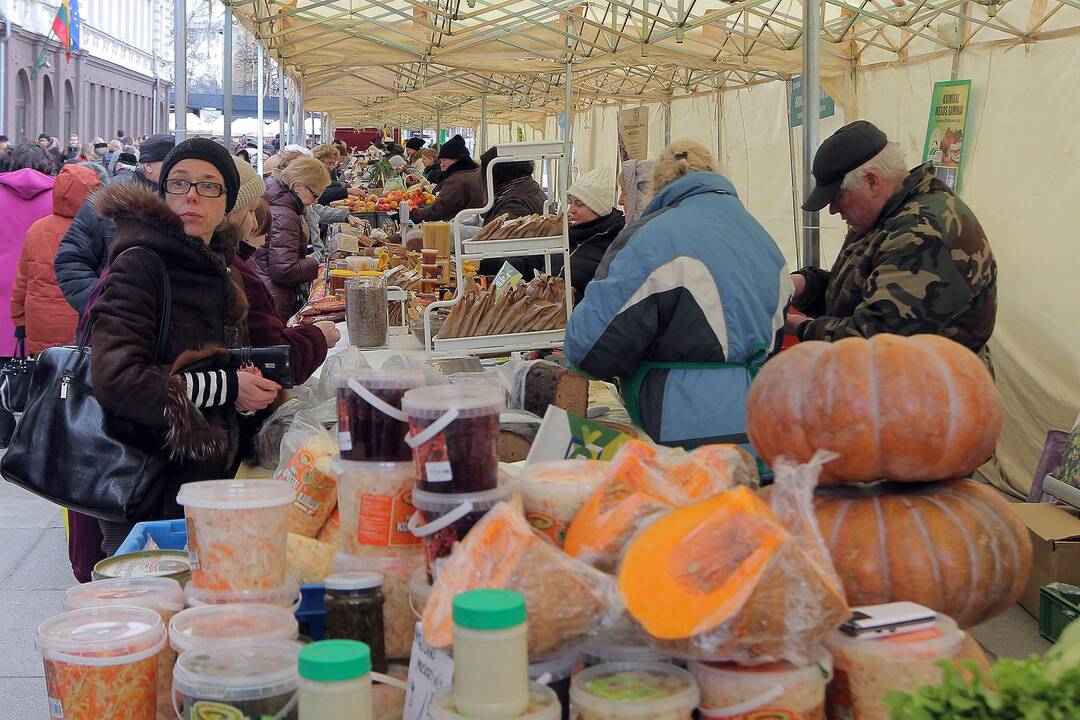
(488, 249)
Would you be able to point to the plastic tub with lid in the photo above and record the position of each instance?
(171, 564)
(454, 436)
(371, 425)
(374, 505)
(780, 689)
(621, 643)
(238, 678)
(556, 674)
(162, 595)
(637, 690)
(237, 532)
(101, 662)
(543, 705)
(419, 591)
(201, 625)
(552, 492)
(287, 595)
(447, 519)
(865, 670)
(399, 623)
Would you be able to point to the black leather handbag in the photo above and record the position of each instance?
(71, 451)
(15, 374)
(274, 362)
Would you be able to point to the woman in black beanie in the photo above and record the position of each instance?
(187, 395)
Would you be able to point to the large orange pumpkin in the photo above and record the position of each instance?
(898, 408)
(952, 546)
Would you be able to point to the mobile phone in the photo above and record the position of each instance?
(876, 621)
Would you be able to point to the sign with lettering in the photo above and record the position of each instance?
(945, 131)
(828, 105)
(431, 671)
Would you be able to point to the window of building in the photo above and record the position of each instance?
(22, 105)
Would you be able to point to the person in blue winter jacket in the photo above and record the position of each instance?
(686, 305)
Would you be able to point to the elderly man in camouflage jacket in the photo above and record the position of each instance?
(915, 259)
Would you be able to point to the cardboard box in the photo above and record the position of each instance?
(1055, 544)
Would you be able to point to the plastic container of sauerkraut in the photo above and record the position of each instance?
(866, 670)
(162, 595)
(237, 532)
(397, 570)
(171, 564)
(625, 691)
(419, 592)
(201, 625)
(552, 492)
(102, 662)
(780, 689)
(621, 643)
(374, 506)
(238, 678)
(543, 705)
(287, 596)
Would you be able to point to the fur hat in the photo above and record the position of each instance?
(596, 190)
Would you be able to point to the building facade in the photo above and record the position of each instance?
(118, 80)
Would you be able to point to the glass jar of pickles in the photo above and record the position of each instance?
(354, 611)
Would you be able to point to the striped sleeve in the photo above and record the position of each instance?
(211, 388)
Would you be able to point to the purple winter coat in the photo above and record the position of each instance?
(26, 197)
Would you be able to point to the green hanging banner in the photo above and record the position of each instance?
(946, 129)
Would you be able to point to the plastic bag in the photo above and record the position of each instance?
(565, 599)
(646, 480)
(734, 579)
(306, 452)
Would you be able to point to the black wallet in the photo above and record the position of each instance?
(273, 362)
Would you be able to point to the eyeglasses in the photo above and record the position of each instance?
(177, 186)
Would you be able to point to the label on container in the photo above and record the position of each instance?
(147, 566)
(203, 710)
(430, 671)
(312, 487)
(763, 713)
(438, 472)
(56, 708)
(384, 520)
(549, 527)
(344, 441)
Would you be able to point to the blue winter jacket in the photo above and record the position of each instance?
(697, 279)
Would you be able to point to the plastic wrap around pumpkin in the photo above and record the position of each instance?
(565, 599)
(899, 408)
(645, 480)
(952, 546)
(733, 579)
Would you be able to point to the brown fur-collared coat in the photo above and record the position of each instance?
(208, 316)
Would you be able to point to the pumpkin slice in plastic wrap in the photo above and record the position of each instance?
(646, 480)
(565, 599)
(733, 579)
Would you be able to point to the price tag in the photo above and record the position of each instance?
(438, 472)
(430, 672)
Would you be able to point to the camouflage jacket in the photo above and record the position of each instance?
(925, 268)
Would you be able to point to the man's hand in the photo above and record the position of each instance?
(794, 320)
(330, 332)
(356, 192)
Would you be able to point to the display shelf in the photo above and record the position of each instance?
(509, 248)
(513, 247)
(494, 344)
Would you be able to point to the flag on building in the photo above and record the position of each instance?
(66, 26)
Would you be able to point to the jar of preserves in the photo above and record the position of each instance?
(354, 611)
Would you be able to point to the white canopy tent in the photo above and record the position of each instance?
(718, 72)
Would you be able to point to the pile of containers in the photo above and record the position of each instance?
(375, 482)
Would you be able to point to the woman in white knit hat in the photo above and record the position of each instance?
(594, 223)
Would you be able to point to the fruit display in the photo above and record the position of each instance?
(908, 409)
(358, 203)
(955, 546)
(391, 201)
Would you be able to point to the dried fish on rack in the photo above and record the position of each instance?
(537, 305)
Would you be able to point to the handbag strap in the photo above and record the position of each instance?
(165, 315)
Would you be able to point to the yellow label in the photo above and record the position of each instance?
(203, 710)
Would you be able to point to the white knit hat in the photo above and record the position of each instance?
(252, 186)
(596, 190)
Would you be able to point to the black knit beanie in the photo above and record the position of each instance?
(211, 152)
(454, 149)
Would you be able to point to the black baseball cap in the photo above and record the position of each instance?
(846, 149)
(156, 147)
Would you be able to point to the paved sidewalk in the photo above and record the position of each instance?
(34, 573)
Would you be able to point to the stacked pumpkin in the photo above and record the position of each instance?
(911, 418)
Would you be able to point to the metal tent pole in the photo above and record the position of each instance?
(438, 126)
(227, 76)
(262, 98)
(568, 127)
(180, 67)
(281, 103)
(811, 239)
(483, 124)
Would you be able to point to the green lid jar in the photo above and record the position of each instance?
(491, 654)
(335, 680)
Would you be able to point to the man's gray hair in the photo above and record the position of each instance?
(889, 163)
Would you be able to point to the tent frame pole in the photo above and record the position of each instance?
(811, 238)
(227, 100)
(262, 100)
(283, 139)
(568, 134)
(180, 68)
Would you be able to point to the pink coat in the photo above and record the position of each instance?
(25, 196)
